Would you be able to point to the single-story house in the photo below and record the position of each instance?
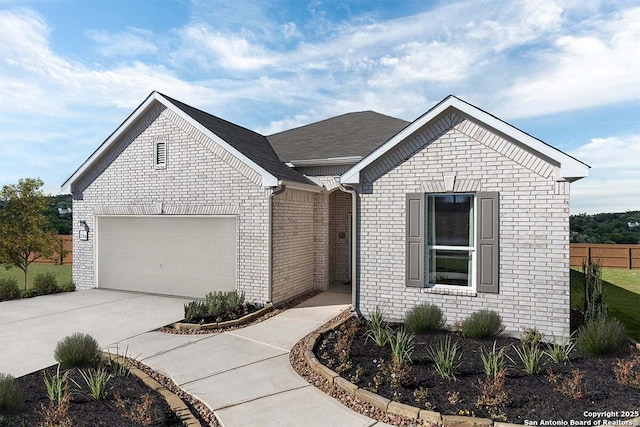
(457, 208)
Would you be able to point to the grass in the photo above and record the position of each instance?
(621, 294)
(61, 272)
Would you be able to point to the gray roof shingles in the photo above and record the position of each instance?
(251, 144)
(351, 134)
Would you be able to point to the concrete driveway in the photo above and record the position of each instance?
(30, 328)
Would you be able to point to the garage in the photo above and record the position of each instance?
(169, 255)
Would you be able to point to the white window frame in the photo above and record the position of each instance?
(156, 144)
(469, 249)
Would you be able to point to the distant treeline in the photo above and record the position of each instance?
(623, 228)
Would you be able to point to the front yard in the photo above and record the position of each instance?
(621, 293)
(61, 272)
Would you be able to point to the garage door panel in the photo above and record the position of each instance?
(186, 256)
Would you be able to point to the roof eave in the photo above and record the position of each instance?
(268, 179)
(570, 168)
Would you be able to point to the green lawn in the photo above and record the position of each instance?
(621, 293)
(62, 273)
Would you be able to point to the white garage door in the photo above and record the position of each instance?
(185, 256)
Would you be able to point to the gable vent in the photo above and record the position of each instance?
(160, 156)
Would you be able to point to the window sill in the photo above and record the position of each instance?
(450, 291)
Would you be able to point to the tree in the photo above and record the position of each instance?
(25, 235)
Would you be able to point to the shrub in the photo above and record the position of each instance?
(379, 329)
(493, 361)
(45, 284)
(97, 380)
(559, 351)
(9, 289)
(482, 324)
(29, 293)
(601, 336)
(424, 318)
(57, 385)
(402, 346)
(195, 311)
(530, 355)
(78, 350)
(68, 287)
(10, 395)
(594, 305)
(218, 303)
(445, 358)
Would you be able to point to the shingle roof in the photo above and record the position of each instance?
(351, 134)
(251, 144)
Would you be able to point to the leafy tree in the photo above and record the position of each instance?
(25, 235)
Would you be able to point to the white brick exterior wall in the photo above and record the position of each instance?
(294, 245)
(534, 222)
(200, 178)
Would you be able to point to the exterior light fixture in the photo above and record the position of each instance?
(84, 231)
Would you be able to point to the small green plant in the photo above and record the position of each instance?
(117, 362)
(601, 336)
(530, 355)
(379, 329)
(424, 318)
(195, 311)
(45, 284)
(493, 361)
(57, 385)
(68, 287)
(219, 303)
(10, 395)
(531, 336)
(559, 350)
(402, 345)
(78, 350)
(97, 380)
(482, 324)
(9, 289)
(445, 358)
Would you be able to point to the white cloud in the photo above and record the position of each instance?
(131, 43)
(614, 177)
(597, 67)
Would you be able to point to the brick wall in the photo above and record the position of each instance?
(339, 210)
(294, 244)
(200, 179)
(534, 225)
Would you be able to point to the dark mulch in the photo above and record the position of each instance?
(125, 398)
(531, 397)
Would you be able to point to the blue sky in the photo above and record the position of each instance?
(565, 71)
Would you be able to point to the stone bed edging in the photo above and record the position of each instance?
(176, 404)
(182, 326)
(395, 408)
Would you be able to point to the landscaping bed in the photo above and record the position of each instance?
(129, 403)
(575, 391)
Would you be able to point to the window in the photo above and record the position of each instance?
(450, 225)
(452, 241)
(160, 154)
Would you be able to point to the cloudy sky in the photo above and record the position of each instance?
(565, 71)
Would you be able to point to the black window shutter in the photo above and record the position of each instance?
(414, 272)
(488, 222)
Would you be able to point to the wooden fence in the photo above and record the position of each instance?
(620, 256)
(67, 245)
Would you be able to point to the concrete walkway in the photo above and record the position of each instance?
(245, 376)
(30, 328)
